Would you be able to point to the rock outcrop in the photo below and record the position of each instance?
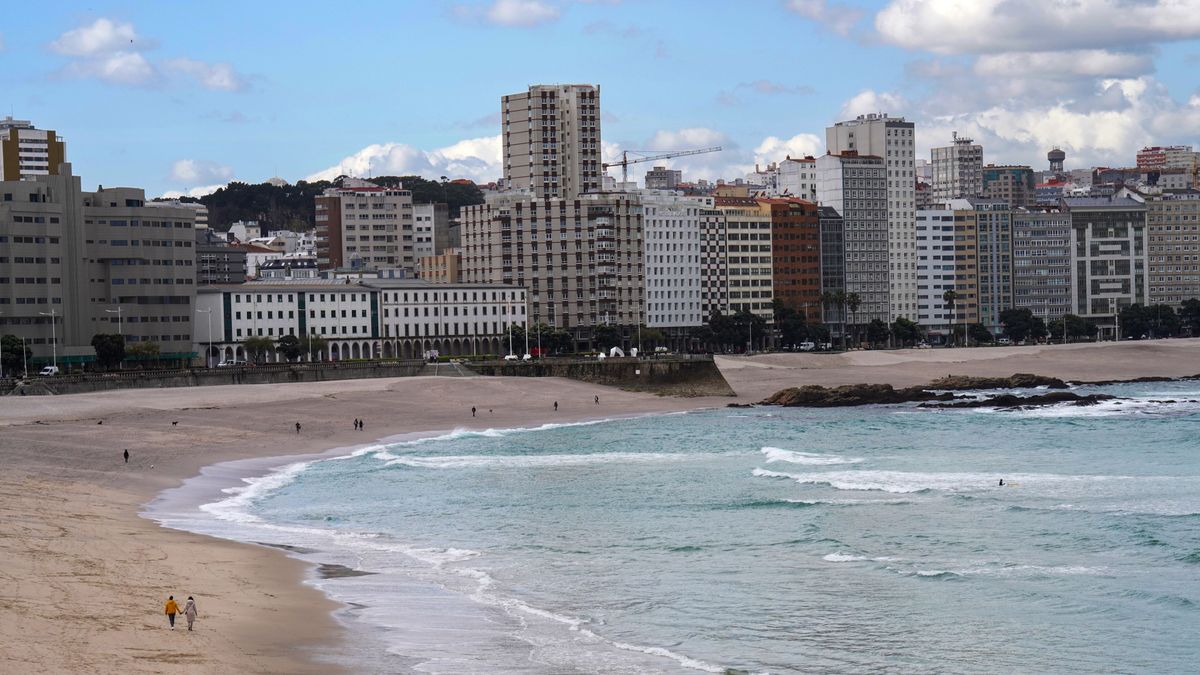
(1014, 402)
(815, 396)
(1017, 381)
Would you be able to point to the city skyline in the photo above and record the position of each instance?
(182, 101)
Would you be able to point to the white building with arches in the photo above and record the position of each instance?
(363, 319)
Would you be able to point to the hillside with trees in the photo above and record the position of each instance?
(291, 207)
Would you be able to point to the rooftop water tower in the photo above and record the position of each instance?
(1056, 157)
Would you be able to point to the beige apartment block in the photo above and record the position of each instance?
(748, 257)
(1173, 226)
(551, 140)
(27, 152)
(365, 227)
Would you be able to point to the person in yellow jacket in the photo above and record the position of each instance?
(172, 610)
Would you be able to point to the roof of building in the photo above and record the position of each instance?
(289, 263)
(1102, 202)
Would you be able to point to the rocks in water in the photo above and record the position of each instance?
(816, 396)
(739, 405)
(1012, 401)
(1016, 381)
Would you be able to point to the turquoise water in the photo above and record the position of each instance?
(770, 540)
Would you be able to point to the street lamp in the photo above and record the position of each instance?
(53, 337)
(117, 311)
(208, 334)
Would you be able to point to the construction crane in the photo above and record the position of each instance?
(625, 161)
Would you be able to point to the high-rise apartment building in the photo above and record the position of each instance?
(1108, 252)
(892, 140)
(662, 178)
(431, 229)
(672, 236)
(1169, 157)
(797, 177)
(993, 226)
(947, 261)
(795, 253)
(551, 140)
(1173, 227)
(1014, 185)
(856, 186)
(714, 260)
(748, 256)
(581, 260)
(833, 258)
(1042, 262)
(365, 227)
(27, 152)
(957, 170)
(76, 263)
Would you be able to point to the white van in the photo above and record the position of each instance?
(48, 371)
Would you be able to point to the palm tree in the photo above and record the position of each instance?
(839, 301)
(949, 297)
(853, 302)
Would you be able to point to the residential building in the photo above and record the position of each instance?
(431, 229)
(797, 178)
(1109, 248)
(856, 187)
(444, 268)
(245, 230)
(1173, 233)
(672, 236)
(923, 193)
(892, 140)
(993, 223)
(27, 152)
(957, 170)
(748, 257)
(662, 178)
(288, 267)
(256, 256)
(714, 260)
(378, 318)
(365, 227)
(1012, 184)
(198, 209)
(947, 260)
(580, 259)
(217, 262)
(551, 140)
(795, 253)
(833, 258)
(1042, 262)
(68, 257)
(1168, 157)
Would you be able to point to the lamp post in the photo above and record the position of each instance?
(53, 337)
(24, 357)
(117, 311)
(207, 334)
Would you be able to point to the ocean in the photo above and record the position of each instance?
(761, 540)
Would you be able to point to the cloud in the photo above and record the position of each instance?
(196, 192)
(775, 149)
(511, 13)
(477, 158)
(192, 171)
(102, 36)
(837, 16)
(870, 101)
(1064, 64)
(113, 52)
(993, 26)
(765, 87)
(220, 76)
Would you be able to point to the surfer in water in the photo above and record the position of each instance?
(1001, 482)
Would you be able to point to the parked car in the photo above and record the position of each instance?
(48, 371)
(807, 346)
(923, 345)
(1003, 341)
(231, 364)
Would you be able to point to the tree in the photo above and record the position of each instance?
(752, 326)
(1189, 314)
(257, 346)
(1164, 322)
(1020, 324)
(110, 349)
(950, 297)
(793, 330)
(853, 302)
(1072, 326)
(290, 347)
(905, 331)
(606, 336)
(314, 346)
(980, 334)
(877, 331)
(143, 351)
(14, 355)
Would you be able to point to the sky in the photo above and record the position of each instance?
(182, 98)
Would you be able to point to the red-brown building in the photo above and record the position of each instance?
(795, 253)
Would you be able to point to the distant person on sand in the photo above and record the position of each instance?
(597, 399)
(172, 610)
(556, 406)
(189, 611)
(472, 411)
(361, 424)
(297, 427)
(126, 455)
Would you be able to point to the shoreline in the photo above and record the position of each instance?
(79, 538)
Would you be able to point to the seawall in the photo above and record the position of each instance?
(667, 376)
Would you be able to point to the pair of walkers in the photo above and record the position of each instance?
(189, 611)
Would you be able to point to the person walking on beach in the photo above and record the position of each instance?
(356, 424)
(172, 610)
(297, 427)
(556, 406)
(189, 611)
(361, 424)
(472, 411)
(597, 399)
(126, 455)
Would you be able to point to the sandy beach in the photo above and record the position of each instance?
(85, 576)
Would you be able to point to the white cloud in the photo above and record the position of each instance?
(991, 26)
(686, 139)
(517, 13)
(210, 75)
(478, 159)
(1064, 64)
(775, 149)
(196, 192)
(128, 68)
(837, 16)
(102, 36)
(192, 171)
(871, 101)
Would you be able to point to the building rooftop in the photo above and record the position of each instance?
(1102, 202)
